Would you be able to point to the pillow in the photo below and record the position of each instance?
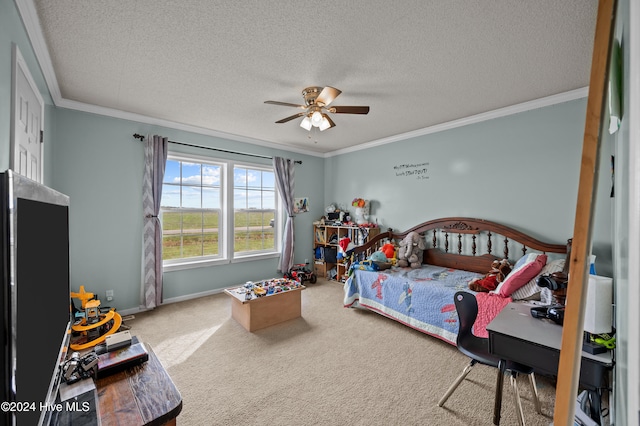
(527, 258)
(521, 276)
(532, 290)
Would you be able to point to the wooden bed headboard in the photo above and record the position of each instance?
(466, 243)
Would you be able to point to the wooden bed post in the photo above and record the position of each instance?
(571, 350)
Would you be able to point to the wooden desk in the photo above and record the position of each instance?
(515, 335)
(141, 395)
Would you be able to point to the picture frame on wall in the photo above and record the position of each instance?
(301, 205)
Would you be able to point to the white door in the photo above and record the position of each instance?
(26, 122)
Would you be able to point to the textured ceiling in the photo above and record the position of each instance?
(211, 64)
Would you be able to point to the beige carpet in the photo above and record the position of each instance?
(333, 366)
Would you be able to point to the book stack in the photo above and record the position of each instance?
(121, 359)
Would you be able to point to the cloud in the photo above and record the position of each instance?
(244, 177)
(210, 176)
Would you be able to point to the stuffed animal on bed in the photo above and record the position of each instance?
(499, 270)
(410, 251)
(389, 250)
(378, 256)
(383, 259)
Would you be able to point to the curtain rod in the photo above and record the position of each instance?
(141, 137)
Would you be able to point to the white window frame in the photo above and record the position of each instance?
(227, 254)
(255, 255)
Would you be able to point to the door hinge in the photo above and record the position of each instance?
(41, 136)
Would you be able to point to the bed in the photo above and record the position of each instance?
(458, 250)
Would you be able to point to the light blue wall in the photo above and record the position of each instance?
(527, 179)
(12, 32)
(100, 166)
(520, 170)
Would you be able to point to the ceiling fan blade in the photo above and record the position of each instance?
(327, 95)
(349, 109)
(291, 117)
(285, 104)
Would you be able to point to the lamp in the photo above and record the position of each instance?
(306, 123)
(598, 310)
(316, 118)
(324, 124)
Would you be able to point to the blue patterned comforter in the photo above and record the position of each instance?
(420, 298)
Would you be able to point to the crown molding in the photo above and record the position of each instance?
(31, 22)
(489, 115)
(139, 118)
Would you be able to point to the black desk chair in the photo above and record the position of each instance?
(477, 349)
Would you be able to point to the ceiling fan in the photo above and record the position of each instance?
(316, 106)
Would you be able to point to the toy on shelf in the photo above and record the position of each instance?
(362, 210)
(301, 273)
(345, 248)
(94, 323)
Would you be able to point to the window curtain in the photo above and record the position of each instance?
(155, 160)
(285, 171)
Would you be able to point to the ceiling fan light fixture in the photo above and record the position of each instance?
(306, 123)
(324, 124)
(316, 106)
(316, 118)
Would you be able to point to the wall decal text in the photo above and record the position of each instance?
(415, 171)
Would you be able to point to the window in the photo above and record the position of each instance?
(254, 202)
(199, 226)
(191, 210)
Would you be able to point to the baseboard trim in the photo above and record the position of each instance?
(141, 308)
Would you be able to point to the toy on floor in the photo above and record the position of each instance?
(301, 273)
(95, 323)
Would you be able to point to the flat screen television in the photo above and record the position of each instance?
(35, 297)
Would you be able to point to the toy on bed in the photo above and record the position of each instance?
(380, 259)
(385, 257)
(499, 270)
(389, 250)
(411, 250)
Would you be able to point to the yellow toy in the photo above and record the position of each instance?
(259, 291)
(95, 325)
